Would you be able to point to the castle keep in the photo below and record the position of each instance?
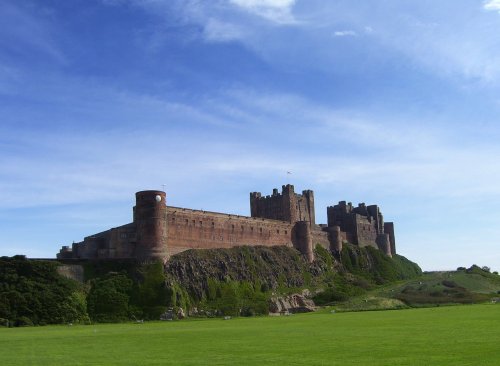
(159, 231)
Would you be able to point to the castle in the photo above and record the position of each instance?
(159, 231)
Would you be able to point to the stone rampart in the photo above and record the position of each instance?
(195, 229)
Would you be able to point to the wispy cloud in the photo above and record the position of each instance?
(218, 31)
(493, 5)
(277, 11)
(345, 33)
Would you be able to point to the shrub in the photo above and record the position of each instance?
(108, 299)
(24, 321)
(34, 290)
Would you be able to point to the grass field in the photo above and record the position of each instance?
(456, 335)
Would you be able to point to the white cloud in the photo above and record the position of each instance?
(345, 33)
(217, 31)
(493, 5)
(277, 11)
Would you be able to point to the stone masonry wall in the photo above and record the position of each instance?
(195, 229)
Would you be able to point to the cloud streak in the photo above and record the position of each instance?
(345, 33)
(276, 11)
(493, 5)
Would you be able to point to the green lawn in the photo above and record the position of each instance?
(456, 335)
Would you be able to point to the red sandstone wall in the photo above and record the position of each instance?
(321, 238)
(194, 229)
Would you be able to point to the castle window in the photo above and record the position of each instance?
(201, 223)
(232, 227)
(277, 231)
(286, 232)
(261, 230)
(251, 228)
(213, 224)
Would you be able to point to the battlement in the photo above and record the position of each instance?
(364, 225)
(285, 206)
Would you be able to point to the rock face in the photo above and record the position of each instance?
(208, 279)
(295, 303)
(271, 266)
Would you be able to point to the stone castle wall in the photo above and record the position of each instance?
(194, 229)
(159, 231)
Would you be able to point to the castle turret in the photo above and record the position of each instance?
(303, 239)
(389, 229)
(384, 244)
(335, 239)
(150, 218)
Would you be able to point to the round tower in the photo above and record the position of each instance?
(335, 239)
(384, 244)
(150, 218)
(304, 242)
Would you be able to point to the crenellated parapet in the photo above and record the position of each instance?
(363, 225)
(286, 206)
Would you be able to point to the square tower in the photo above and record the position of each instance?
(285, 206)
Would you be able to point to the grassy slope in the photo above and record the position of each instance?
(475, 287)
(461, 335)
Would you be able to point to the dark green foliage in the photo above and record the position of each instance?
(136, 291)
(324, 255)
(33, 293)
(235, 298)
(450, 284)
(177, 296)
(342, 287)
(482, 271)
(449, 293)
(100, 268)
(359, 270)
(150, 294)
(109, 298)
(372, 264)
(330, 296)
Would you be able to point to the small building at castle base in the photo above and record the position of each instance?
(284, 218)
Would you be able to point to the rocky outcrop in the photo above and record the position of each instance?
(270, 266)
(295, 303)
(243, 280)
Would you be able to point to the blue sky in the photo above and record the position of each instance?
(389, 102)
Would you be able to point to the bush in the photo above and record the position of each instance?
(108, 299)
(24, 321)
(35, 291)
(329, 296)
